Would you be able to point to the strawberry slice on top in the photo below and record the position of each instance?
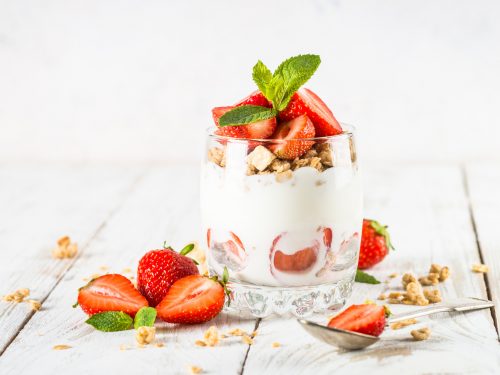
(110, 292)
(304, 101)
(256, 130)
(292, 134)
(368, 319)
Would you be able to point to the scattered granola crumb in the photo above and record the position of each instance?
(145, 335)
(260, 158)
(284, 176)
(61, 347)
(381, 297)
(403, 323)
(397, 295)
(369, 302)
(223, 336)
(430, 279)
(34, 304)
(247, 339)
(434, 296)
(435, 268)
(211, 336)
(217, 156)
(104, 268)
(124, 347)
(159, 344)
(200, 343)
(480, 268)
(421, 334)
(127, 270)
(253, 334)
(275, 344)
(65, 248)
(18, 296)
(408, 278)
(393, 275)
(195, 369)
(236, 332)
(444, 274)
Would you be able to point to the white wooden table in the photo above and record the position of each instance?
(447, 214)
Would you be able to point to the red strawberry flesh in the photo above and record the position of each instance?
(304, 101)
(368, 319)
(292, 134)
(192, 299)
(110, 292)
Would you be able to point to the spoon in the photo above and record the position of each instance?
(353, 340)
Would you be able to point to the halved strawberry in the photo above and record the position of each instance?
(255, 98)
(304, 101)
(292, 132)
(192, 299)
(368, 319)
(110, 292)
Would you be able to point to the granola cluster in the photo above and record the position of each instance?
(211, 337)
(421, 334)
(20, 296)
(262, 161)
(65, 248)
(145, 335)
(414, 293)
(480, 268)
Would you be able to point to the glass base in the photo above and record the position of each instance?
(261, 301)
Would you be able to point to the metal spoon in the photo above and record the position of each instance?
(353, 340)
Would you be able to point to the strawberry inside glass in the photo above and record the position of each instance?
(281, 196)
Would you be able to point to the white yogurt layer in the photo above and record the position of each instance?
(274, 220)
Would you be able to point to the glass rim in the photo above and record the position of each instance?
(347, 133)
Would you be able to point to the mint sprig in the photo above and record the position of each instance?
(246, 114)
(363, 277)
(277, 87)
(145, 317)
(110, 321)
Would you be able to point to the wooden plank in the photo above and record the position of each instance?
(39, 205)
(162, 207)
(427, 210)
(483, 183)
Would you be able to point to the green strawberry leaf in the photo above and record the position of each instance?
(246, 114)
(187, 249)
(262, 77)
(382, 230)
(363, 277)
(145, 317)
(110, 321)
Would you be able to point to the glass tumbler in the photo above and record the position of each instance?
(288, 231)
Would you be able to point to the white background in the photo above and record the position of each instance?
(134, 81)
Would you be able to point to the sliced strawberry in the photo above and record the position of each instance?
(257, 130)
(307, 102)
(368, 319)
(262, 129)
(111, 292)
(255, 98)
(192, 299)
(292, 132)
(299, 261)
(327, 237)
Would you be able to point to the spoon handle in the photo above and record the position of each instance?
(460, 304)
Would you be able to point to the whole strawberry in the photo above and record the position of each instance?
(159, 269)
(375, 244)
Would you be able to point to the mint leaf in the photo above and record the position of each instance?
(246, 114)
(290, 75)
(145, 317)
(262, 76)
(363, 277)
(110, 321)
